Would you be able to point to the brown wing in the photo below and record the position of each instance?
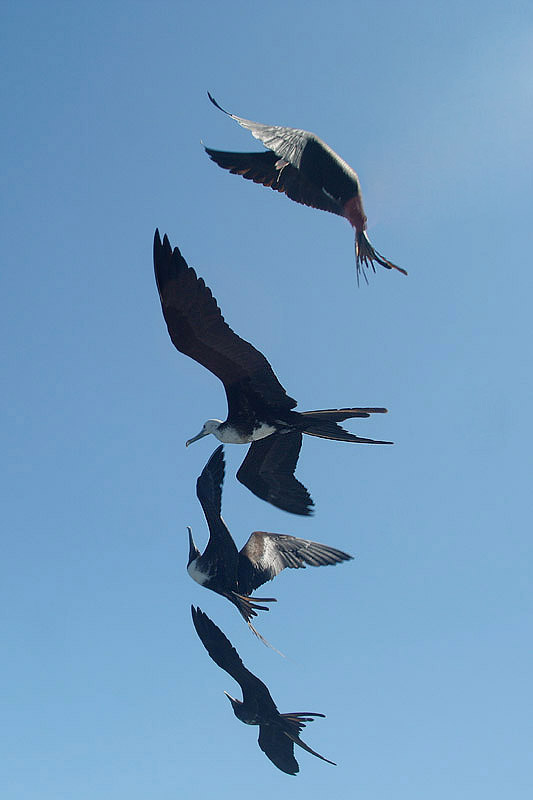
(265, 555)
(198, 329)
(261, 168)
(268, 471)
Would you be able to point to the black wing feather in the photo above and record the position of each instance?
(268, 471)
(198, 329)
(277, 746)
(226, 657)
(261, 168)
(221, 550)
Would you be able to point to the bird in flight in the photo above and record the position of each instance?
(308, 171)
(259, 410)
(278, 733)
(236, 574)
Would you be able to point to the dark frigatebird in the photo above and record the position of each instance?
(300, 164)
(233, 574)
(278, 733)
(259, 409)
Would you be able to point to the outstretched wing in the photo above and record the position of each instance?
(277, 746)
(198, 329)
(269, 170)
(265, 555)
(226, 657)
(287, 143)
(268, 471)
(318, 165)
(221, 550)
(272, 741)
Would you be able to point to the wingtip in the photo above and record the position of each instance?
(197, 616)
(157, 240)
(217, 105)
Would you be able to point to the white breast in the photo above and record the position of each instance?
(196, 574)
(229, 435)
(263, 431)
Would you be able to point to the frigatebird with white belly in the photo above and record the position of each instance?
(236, 574)
(259, 409)
(308, 171)
(278, 733)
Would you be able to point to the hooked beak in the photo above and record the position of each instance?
(193, 550)
(195, 438)
(230, 698)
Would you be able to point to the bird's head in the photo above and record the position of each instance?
(211, 426)
(193, 550)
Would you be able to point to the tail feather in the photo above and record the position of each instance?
(366, 254)
(297, 719)
(249, 606)
(296, 722)
(340, 414)
(296, 739)
(324, 424)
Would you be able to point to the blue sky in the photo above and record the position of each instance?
(419, 650)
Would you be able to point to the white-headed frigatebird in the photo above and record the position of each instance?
(278, 733)
(236, 574)
(259, 409)
(308, 171)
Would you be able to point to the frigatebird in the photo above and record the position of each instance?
(308, 171)
(236, 574)
(278, 733)
(259, 409)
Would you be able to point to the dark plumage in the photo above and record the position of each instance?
(259, 409)
(233, 574)
(308, 171)
(278, 733)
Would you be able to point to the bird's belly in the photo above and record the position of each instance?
(196, 574)
(230, 435)
(262, 431)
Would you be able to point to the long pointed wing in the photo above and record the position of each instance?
(269, 170)
(268, 471)
(198, 329)
(265, 555)
(287, 143)
(221, 550)
(226, 657)
(317, 162)
(277, 746)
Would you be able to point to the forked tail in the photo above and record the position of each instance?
(365, 255)
(296, 722)
(248, 608)
(324, 424)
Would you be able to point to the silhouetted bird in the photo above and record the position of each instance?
(259, 409)
(278, 733)
(233, 574)
(304, 167)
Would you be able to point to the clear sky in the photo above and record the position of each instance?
(418, 650)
